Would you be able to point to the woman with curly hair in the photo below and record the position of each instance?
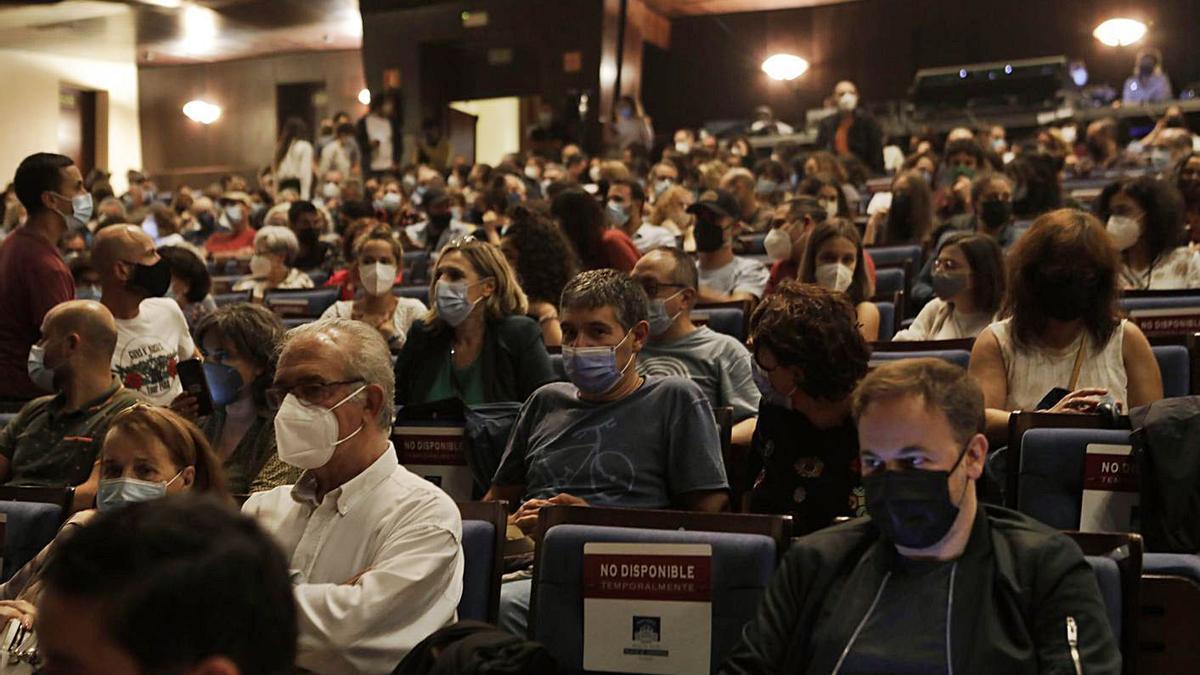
(544, 261)
(1144, 217)
(808, 357)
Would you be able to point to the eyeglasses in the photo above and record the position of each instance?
(947, 264)
(652, 286)
(309, 392)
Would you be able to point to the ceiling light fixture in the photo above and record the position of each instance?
(202, 111)
(1120, 32)
(784, 67)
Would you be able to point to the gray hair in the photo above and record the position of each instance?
(684, 271)
(276, 239)
(365, 357)
(608, 288)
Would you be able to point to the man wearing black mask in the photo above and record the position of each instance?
(724, 277)
(152, 333)
(439, 227)
(305, 221)
(932, 580)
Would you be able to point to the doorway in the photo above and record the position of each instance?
(304, 100)
(497, 126)
(77, 126)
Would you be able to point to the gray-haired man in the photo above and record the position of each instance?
(375, 550)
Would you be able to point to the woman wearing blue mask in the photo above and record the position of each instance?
(148, 452)
(239, 344)
(476, 344)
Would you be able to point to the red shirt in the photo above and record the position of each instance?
(230, 241)
(619, 251)
(33, 279)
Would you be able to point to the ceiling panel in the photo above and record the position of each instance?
(673, 8)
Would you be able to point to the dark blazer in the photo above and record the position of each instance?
(514, 360)
(1018, 582)
(865, 138)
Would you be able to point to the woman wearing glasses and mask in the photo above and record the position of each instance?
(148, 452)
(239, 344)
(476, 344)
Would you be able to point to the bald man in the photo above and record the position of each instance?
(55, 439)
(152, 333)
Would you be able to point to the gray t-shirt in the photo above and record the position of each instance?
(742, 275)
(642, 451)
(718, 364)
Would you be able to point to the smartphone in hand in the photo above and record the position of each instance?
(191, 376)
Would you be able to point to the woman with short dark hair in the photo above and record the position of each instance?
(1064, 346)
(968, 282)
(808, 357)
(1144, 218)
(190, 283)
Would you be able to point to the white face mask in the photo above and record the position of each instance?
(532, 172)
(260, 265)
(1125, 231)
(306, 434)
(778, 244)
(834, 276)
(830, 206)
(594, 174)
(683, 147)
(847, 102)
(377, 278)
(42, 376)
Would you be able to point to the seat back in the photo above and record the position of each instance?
(484, 525)
(232, 298)
(729, 321)
(1175, 364)
(415, 292)
(1023, 421)
(887, 319)
(416, 267)
(895, 255)
(560, 370)
(1136, 303)
(318, 276)
(959, 357)
(305, 303)
(754, 244)
(1051, 472)
(33, 516)
(1116, 559)
(889, 280)
(742, 565)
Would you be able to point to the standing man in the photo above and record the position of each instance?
(152, 333)
(375, 550)
(852, 132)
(379, 136)
(33, 276)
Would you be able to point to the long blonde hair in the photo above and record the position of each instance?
(489, 263)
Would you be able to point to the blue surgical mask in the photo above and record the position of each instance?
(114, 493)
(35, 365)
(81, 208)
(765, 186)
(660, 321)
(618, 214)
(234, 213)
(594, 369)
(87, 292)
(391, 202)
(1160, 158)
(450, 298)
(661, 186)
(224, 382)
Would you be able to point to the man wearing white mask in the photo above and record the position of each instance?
(33, 276)
(851, 131)
(375, 551)
(376, 266)
(718, 364)
(626, 208)
(55, 439)
(609, 437)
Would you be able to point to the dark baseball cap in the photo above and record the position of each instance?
(719, 202)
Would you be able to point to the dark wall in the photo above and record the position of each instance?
(711, 71)
(177, 150)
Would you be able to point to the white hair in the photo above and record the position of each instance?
(365, 357)
(276, 239)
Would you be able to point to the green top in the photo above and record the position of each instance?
(253, 465)
(47, 446)
(465, 384)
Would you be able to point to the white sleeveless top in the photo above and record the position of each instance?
(1033, 372)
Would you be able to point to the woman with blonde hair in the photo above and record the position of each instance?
(378, 257)
(476, 343)
(148, 452)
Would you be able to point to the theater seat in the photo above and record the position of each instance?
(483, 532)
(887, 320)
(742, 565)
(228, 299)
(889, 280)
(895, 255)
(729, 321)
(1051, 475)
(556, 362)
(1175, 364)
(307, 303)
(416, 267)
(33, 518)
(1108, 577)
(959, 357)
(415, 292)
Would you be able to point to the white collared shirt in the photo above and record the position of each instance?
(397, 535)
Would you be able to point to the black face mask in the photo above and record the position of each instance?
(152, 281)
(1146, 68)
(1066, 299)
(912, 508)
(439, 222)
(1097, 148)
(709, 236)
(1176, 122)
(996, 212)
(308, 237)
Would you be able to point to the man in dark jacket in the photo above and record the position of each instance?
(931, 581)
(852, 132)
